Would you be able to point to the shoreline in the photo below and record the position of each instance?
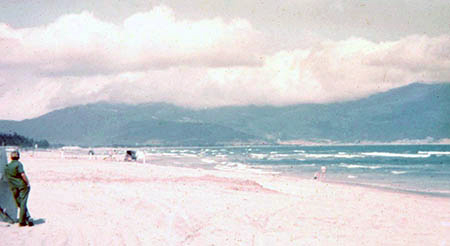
(328, 181)
(166, 162)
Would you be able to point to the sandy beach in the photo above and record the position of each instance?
(99, 202)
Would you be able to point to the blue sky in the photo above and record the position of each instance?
(55, 54)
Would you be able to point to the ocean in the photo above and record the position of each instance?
(422, 169)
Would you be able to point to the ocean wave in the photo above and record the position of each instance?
(319, 156)
(221, 156)
(188, 155)
(258, 156)
(402, 155)
(281, 156)
(305, 165)
(236, 166)
(304, 156)
(358, 166)
(230, 166)
(299, 151)
(263, 166)
(183, 150)
(338, 155)
(284, 166)
(398, 172)
(209, 161)
(438, 153)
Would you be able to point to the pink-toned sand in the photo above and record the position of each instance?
(97, 202)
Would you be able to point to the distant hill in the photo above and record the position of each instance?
(416, 111)
(118, 124)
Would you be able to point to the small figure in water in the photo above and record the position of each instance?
(322, 174)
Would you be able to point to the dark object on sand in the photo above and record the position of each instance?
(8, 207)
(130, 155)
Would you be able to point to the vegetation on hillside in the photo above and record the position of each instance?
(18, 140)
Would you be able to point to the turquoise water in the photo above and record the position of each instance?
(422, 169)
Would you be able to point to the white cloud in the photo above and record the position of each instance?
(81, 44)
(155, 56)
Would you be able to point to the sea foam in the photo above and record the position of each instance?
(402, 155)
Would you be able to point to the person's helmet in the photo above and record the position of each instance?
(15, 155)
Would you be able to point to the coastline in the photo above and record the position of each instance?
(105, 202)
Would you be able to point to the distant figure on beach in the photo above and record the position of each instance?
(322, 174)
(130, 155)
(91, 154)
(20, 187)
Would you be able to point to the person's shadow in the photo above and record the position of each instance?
(39, 221)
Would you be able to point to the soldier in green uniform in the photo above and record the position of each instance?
(20, 187)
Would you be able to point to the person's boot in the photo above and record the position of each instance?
(30, 221)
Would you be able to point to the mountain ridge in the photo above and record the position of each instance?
(415, 111)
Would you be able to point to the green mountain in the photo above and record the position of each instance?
(416, 111)
(120, 124)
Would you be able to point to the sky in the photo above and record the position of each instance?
(203, 54)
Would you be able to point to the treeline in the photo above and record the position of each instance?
(18, 140)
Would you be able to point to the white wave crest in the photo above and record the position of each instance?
(208, 161)
(188, 155)
(359, 166)
(398, 172)
(338, 155)
(387, 154)
(434, 152)
(258, 156)
(239, 167)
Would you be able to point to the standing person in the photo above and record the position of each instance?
(321, 174)
(20, 187)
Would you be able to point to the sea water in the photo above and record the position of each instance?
(423, 169)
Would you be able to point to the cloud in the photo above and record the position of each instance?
(416, 54)
(330, 71)
(155, 56)
(81, 44)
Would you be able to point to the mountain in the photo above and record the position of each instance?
(119, 124)
(416, 111)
